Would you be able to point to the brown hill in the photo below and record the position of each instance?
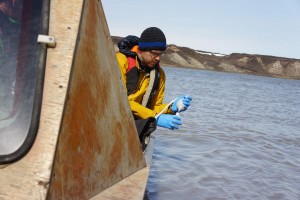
(237, 62)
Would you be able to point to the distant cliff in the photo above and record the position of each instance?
(262, 65)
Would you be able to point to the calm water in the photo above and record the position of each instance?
(240, 139)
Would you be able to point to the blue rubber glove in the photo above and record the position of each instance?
(169, 121)
(186, 102)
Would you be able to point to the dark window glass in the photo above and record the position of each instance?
(22, 62)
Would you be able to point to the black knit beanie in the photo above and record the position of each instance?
(152, 39)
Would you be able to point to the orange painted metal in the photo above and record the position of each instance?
(98, 143)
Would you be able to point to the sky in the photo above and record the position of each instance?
(265, 27)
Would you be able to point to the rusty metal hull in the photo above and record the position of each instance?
(98, 144)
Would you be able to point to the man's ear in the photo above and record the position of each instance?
(140, 52)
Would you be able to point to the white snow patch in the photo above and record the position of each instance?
(210, 53)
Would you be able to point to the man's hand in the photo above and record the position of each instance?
(186, 102)
(169, 121)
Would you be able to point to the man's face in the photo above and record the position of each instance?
(150, 58)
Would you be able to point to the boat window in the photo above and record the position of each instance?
(22, 62)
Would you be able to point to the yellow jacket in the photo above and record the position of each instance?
(135, 99)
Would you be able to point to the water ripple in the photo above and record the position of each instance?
(239, 140)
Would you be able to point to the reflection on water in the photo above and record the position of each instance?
(240, 139)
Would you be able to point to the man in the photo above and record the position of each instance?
(144, 79)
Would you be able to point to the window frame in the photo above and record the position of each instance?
(38, 92)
